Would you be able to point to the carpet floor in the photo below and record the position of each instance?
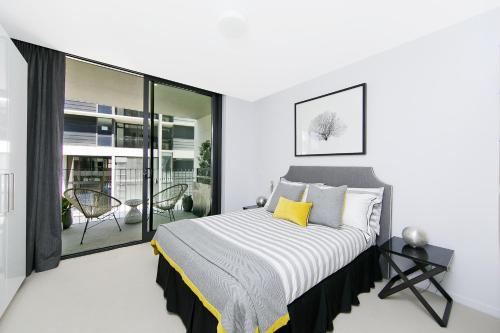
(115, 291)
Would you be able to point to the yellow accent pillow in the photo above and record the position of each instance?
(293, 211)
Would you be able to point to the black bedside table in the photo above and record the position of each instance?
(250, 207)
(437, 258)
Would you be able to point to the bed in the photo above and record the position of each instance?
(248, 272)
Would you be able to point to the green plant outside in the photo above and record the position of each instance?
(205, 155)
(65, 206)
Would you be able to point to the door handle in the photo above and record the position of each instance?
(11, 191)
(5, 193)
(147, 173)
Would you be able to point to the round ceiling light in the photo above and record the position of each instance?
(232, 24)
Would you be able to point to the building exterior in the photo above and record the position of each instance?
(103, 150)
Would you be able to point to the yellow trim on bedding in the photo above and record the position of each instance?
(157, 249)
(279, 323)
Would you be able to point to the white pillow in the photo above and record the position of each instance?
(358, 209)
(304, 195)
(377, 207)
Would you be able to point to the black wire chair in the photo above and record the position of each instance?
(165, 201)
(93, 205)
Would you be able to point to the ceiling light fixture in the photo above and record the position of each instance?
(232, 24)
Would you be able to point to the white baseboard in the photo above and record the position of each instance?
(466, 301)
(479, 306)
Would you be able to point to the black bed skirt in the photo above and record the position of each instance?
(313, 312)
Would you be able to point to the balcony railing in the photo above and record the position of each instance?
(127, 184)
(204, 175)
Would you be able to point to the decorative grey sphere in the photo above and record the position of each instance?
(261, 201)
(415, 237)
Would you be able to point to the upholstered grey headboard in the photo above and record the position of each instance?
(352, 177)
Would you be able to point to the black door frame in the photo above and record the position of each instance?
(216, 148)
(149, 136)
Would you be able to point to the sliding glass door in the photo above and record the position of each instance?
(181, 161)
(102, 157)
(140, 151)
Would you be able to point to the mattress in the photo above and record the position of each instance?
(302, 257)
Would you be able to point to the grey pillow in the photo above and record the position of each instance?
(328, 205)
(289, 191)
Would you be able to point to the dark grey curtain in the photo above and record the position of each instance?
(46, 74)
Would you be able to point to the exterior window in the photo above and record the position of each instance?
(183, 137)
(104, 109)
(183, 164)
(132, 136)
(129, 135)
(184, 132)
(104, 132)
(128, 113)
(167, 138)
(79, 130)
(79, 106)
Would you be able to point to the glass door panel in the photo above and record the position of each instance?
(179, 154)
(102, 156)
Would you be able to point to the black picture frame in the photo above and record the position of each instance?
(363, 132)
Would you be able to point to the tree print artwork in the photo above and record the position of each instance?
(326, 125)
(332, 124)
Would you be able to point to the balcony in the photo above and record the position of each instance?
(124, 185)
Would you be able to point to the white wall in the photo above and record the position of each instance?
(239, 153)
(432, 132)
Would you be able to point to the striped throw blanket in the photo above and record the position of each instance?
(246, 267)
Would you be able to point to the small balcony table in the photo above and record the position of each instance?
(134, 215)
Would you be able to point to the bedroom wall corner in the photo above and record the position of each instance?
(432, 132)
(239, 154)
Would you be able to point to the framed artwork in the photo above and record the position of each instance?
(332, 124)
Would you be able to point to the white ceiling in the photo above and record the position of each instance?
(284, 43)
